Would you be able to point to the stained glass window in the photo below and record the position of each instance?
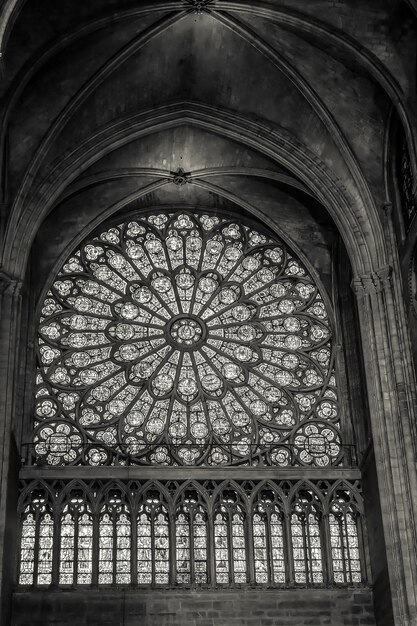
(191, 540)
(27, 549)
(36, 546)
(268, 541)
(230, 540)
(343, 520)
(153, 541)
(114, 543)
(185, 339)
(306, 540)
(76, 545)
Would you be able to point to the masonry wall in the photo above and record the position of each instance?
(292, 607)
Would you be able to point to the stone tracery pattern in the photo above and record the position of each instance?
(185, 339)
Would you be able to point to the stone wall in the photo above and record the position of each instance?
(245, 607)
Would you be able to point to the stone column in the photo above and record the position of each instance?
(10, 307)
(391, 393)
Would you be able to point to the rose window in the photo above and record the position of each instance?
(185, 339)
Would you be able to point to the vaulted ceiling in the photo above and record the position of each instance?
(278, 108)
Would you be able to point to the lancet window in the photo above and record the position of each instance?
(114, 542)
(268, 539)
(306, 538)
(230, 539)
(191, 537)
(76, 542)
(153, 541)
(37, 540)
(344, 521)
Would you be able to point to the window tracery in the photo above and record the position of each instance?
(185, 339)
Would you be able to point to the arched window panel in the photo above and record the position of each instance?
(153, 529)
(230, 541)
(268, 540)
(344, 539)
(76, 542)
(306, 539)
(114, 561)
(37, 540)
(185, 339)
(27, 548)
(191, 537)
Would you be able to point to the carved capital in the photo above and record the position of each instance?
(372, 283)
(9, 284)
(198, 6)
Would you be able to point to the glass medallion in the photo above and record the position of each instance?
(232, 253)
(243, 353)
(185, 330)
(142, 370)
(185, 280)
(228, 296)
(161, 284)
(187, 387)
(214, 247)
(129, 352)
(246, 333)
(208, 285)
(258, 407)
(163, 383)
(141, 294)
(129, 311)
(241, 313)
(231, 371)
(211, 382)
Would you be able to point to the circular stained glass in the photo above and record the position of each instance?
(196, 335)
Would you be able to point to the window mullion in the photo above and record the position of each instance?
(114, 532)
(250, 549)
(96, 551)
(230, 546)
(76, 545)
(326, 548)
(306, 546)
(36, 550)
(56, 549)
(191, 536)
(134, 546)
(172, 548)
(268, 542)
(211, 552)
(347, 564)
(288, 549)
